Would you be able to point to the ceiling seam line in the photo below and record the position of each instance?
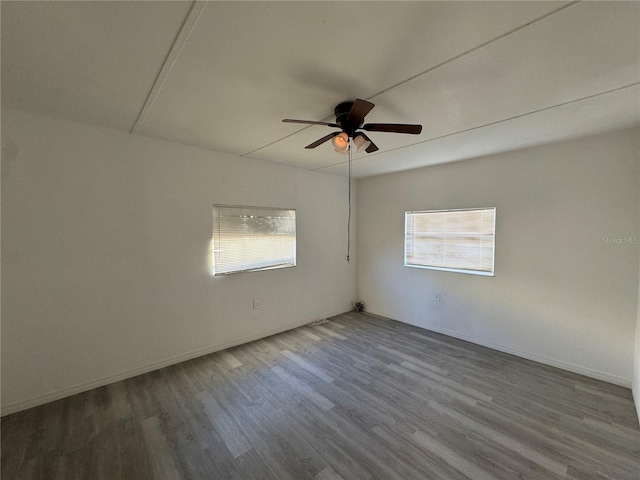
(180, 40)
(275, 141)
(473, 49)
(588, 97)
(430, 69)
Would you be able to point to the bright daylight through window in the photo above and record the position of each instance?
(252, 238)
(452, 240)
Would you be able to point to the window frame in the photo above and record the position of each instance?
(273, 266)
(452, 269)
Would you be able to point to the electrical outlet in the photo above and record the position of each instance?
(438, 297)
(256, 304)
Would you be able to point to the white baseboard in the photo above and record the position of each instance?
(101, 382)
(564, 365)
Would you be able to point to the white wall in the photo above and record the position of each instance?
(105, 244)
(560, 295)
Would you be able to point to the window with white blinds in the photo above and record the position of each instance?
(452, 240)
(247, 239)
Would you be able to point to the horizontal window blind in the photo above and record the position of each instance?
(252, 238)
(457, 240)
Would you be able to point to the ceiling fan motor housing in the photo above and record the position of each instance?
(342, 112)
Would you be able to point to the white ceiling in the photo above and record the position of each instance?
(481, 77)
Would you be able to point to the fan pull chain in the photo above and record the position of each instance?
(349, 202)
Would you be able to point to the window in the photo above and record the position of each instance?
(252, 238)
(452, 240)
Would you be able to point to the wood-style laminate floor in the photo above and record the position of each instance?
(360, 397)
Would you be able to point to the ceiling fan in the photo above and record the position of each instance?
(350, 119)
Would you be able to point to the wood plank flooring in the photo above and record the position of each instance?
(360, 397)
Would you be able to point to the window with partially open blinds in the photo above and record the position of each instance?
(252, 238)
(454, 240)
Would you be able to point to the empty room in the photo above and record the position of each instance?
(320, 240)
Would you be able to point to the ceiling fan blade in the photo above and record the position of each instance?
(372, 146)
(393, 128)
(326, 138)
(310, 122)
(358, 111)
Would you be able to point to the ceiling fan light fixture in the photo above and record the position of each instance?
(341, 142)
(360, 142)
